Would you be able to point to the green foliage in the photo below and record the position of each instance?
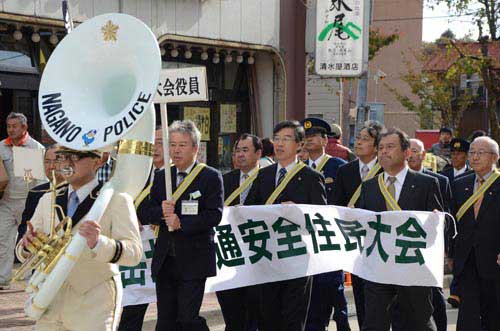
(378, 40)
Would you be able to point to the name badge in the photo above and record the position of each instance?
(189, 207)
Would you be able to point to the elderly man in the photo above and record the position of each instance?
(90, 298)
(415, 162)
(184, 254)
(476, 247)
(14, 197)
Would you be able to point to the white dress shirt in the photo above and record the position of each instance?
(187, 171)
(84, 191)
(459, 172)
(317, 161)
(398, 184)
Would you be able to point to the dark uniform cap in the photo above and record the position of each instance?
(313, 125)
(459, 145)
(89, 153)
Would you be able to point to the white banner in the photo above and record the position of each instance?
(182, 85)
(341, 30)
(261, 244)
(138, 287)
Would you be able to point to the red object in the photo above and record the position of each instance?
(335, 148)
(8, 141)
(428, 137)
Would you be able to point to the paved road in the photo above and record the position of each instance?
(12, 313)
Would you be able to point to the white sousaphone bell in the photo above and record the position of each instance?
(97, 89)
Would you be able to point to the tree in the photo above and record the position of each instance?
(485, 13)
(448, 34)
(436, 91)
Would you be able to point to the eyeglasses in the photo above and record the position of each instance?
(69, 157)
(478, 153)
(285, 139)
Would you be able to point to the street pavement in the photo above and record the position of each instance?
(12, 312)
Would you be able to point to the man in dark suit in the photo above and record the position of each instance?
(132, 317)
(328, 288)
(240, 305)
(476, 247)
(412, 191)
(284, 304)
(415, 162)
(349, 178)
(184, 254)
(459, 148)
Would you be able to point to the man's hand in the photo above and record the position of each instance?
(450, 263)
(90, 230)
(498, 259)
(167, 207)
(29, 235)
(173, 222)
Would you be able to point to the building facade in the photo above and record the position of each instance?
(238, 41)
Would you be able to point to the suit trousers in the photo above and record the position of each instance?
(414, 304)
(133, 317)
(239, 307)
(358, 291)
(284, 304)
(95, 310)
(479, 299)
(178, 300)
(327, 295)
(10, 217)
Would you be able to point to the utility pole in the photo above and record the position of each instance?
(362, 94)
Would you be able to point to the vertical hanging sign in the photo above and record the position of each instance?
(341, 34)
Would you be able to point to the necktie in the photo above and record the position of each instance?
(314, 165)
(392, 189)
(72, 203)
(364, 171)
(477, 204)
(244, 194)
(281, 175)
(180, 177)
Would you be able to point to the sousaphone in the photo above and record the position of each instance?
(96, 91)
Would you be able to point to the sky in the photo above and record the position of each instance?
(433, 27)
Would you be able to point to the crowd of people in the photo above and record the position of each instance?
(291, 167)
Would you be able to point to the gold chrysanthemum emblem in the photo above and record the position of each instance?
(109, 31)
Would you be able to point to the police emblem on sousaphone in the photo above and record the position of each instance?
(106, 73)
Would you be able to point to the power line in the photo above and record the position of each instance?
(419, 18)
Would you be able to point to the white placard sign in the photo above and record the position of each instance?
(340, 34)
(262, 244)
(182, 85)
(28, 163)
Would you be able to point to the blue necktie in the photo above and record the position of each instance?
(72, 203)
(281, 176)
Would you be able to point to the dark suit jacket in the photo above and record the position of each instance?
(231, 183)
(419, 192)
(193, 245)
(444, 189)
(32, 199)
(348, 180)
(480, 235)
(448, 172)
(329, 171)
(307, 187)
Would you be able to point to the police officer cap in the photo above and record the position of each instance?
(459, 145)
(89, 153)
(313, 125)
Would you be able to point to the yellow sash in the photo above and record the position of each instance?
(389, 199)
(277, 191)
(143, 195)
(246, 183)
(473, 198)
(323, 162)
(357, 193)
(184, 185)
